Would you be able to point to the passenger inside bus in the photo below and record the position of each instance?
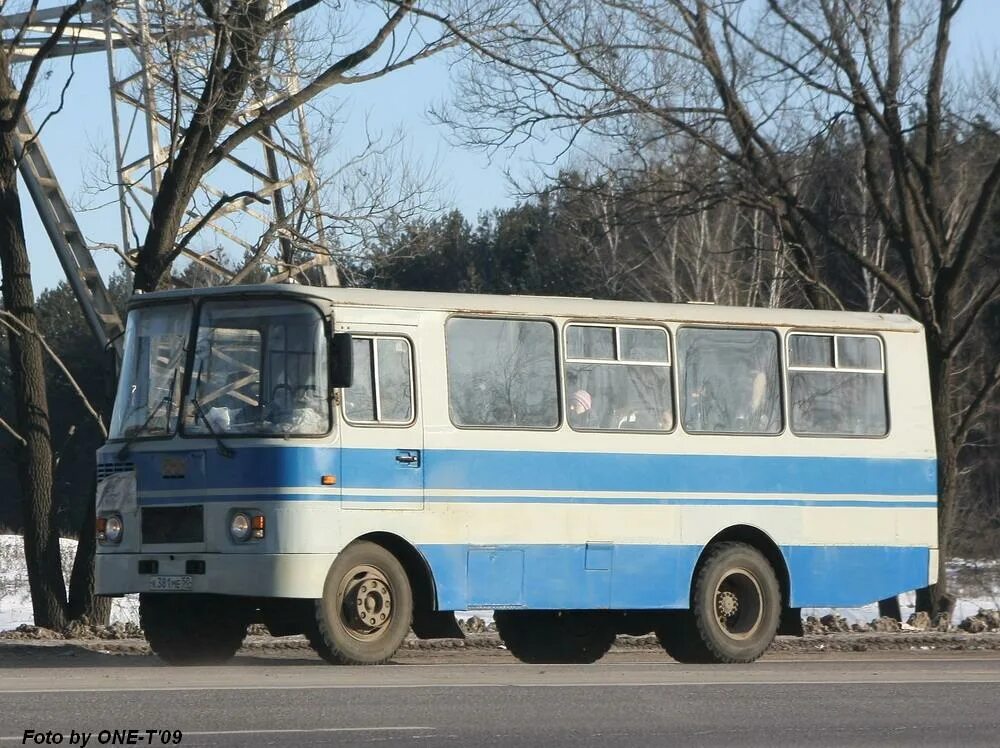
(579, 411)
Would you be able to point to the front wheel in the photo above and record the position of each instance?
(185, 629)
(366, 609)
(735, 609)
(543, 636)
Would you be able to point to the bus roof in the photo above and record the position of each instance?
(574, 307)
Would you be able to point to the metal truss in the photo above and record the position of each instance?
(257, 214)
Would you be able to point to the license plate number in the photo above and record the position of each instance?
(171, 584)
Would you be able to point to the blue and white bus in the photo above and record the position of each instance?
(348, 464)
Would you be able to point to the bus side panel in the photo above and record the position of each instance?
(561, 577)
(845, 576)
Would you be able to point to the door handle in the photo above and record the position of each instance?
(408, 458)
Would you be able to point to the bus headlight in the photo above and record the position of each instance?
(246, 525)
(239, 527)
(110, 529)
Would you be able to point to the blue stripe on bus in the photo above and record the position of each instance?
(769, 501)
(568, 471)
(654, 576)
(281, 466)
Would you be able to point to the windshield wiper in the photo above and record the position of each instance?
(223, 449)
(200, 412)
(167, 400)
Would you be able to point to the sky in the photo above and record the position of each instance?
(471, 181)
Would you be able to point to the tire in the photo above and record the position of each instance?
(365, 579)
(735, 609)
(193, 629)
(678, 636)
(552, 637)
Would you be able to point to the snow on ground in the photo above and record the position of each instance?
(15, 597)
(977, 583)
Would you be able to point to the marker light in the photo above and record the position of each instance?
(257, 523)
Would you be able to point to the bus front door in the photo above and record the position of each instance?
(382, 438)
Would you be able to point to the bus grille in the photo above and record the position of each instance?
(105, 469)
(172, 524)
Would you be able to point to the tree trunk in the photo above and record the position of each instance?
(34, 456)
(938, 597)
(82, 600)
(889, 608)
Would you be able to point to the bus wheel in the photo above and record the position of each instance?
(366, 608)
(542, 636)
(677, 635)
(736, 608)
(187, 629)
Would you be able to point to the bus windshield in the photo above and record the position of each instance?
(148, 397)
(258, 369)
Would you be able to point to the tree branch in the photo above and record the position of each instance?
(329, 77)
(37, 61)
(17, 327)
(207, 218)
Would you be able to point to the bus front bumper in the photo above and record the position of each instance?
(256, 575)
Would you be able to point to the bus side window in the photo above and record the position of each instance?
(502, 373)
(382, 390)
(618, 378)
(837, 385)
(729, 380)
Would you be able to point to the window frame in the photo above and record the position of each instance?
(883, 372)
(618, 361)
(187, 351)
(556, 352)
(836, 352)
(782, 394)
(192, 352)
(378, 423)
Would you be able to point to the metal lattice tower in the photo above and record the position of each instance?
(156, 54)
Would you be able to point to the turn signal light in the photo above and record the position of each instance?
(329, 480)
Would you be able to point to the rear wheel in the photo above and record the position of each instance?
(736, 608)
(366, 608)
(542, 636)
(193, 629)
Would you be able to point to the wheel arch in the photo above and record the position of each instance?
(756, 538)
(428, 622)
(417, 569)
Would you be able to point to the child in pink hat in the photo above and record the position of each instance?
(579, 409)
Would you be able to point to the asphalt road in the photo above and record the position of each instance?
(920, 698)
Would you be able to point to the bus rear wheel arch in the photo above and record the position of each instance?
(735, 608)
(366, 608)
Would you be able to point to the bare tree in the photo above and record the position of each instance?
(237, 96)
(756, 84)
(34, 442)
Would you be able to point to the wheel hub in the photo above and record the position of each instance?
(728, 604)
(365, 602)
(373, 603)
(739, 603)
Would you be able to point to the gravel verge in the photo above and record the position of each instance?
(486, 643)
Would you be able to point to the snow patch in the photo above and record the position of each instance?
(15, 595)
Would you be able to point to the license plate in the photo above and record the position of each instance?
(171, 584)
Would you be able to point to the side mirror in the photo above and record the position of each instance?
(341, 360)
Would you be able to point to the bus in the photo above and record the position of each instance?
(351, 464)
